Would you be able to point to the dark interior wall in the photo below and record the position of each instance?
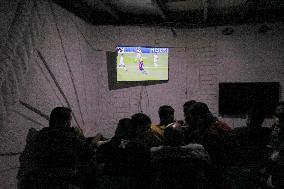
(68, 66)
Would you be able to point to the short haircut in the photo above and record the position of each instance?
(60, 116)
(174, 135)
(256, 111)
(124, 129)
(187, 105)
(278, 109)
(281, 103)
(165, 111)
(140, 119)
(199, 108)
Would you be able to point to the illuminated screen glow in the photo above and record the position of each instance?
(142, 63)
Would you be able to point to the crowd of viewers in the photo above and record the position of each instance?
(199, 152)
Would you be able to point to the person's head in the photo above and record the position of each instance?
(255, 117)
(166, 114)
(124, 129)
(186, 107)
(279, 112)
(199, 112)
(141, 123)
(279, 109)
(174, 135)
(60, 116)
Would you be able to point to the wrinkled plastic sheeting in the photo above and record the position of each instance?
(25, 33)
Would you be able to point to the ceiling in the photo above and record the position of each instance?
(175, 13)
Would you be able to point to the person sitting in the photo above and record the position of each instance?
(57, 156)
(215, 136)
(166, 115)
(125, 160)
(252, 156)
(186, 106)
(178, 166)
(174, 135)
(275, 167)
(123, 134)
(253, 138)
(143, 133)
(189, 128)
(277, 132)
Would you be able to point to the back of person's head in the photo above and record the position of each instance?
(174, 135)
(200, 115)
(279, 112)
(124, 129)
(140, 119)
(281, 103)
(199, 109)
(166, 114)
(60, 116)
(255, 117)
(186, 106)
(141, 123)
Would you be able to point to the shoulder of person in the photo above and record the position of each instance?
(221, 126)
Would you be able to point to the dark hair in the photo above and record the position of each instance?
(174, 135)
(187, 105)
(165, 113)
(277, 111)
(140, 123)
(124, 129)
(281, 103)
(60, 116)
(256, 116)
(256, 111)
(199, 108)
(140, 119)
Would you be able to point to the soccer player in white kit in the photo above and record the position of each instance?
(156, 59)
(121, 60)
(138, 55)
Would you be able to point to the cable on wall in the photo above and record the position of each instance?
(186, 78)
(143, 90)
(147, 97)
(35, 110)
(83, 75)
(28, 118)
(57, 84)
(66, 59)
(86, 40)
(49, 82)
(10, 154)
(140, 101)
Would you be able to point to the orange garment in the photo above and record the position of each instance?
(158, 131)
(219, 127)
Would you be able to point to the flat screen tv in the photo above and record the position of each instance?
(237, 98)
(142, 63)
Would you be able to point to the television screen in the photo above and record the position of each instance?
(142, 63)
(239, 98)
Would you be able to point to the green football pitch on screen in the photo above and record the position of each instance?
(135, 66)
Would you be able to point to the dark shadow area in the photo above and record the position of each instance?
(236, 98)
(113, 84)
(249, 12)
